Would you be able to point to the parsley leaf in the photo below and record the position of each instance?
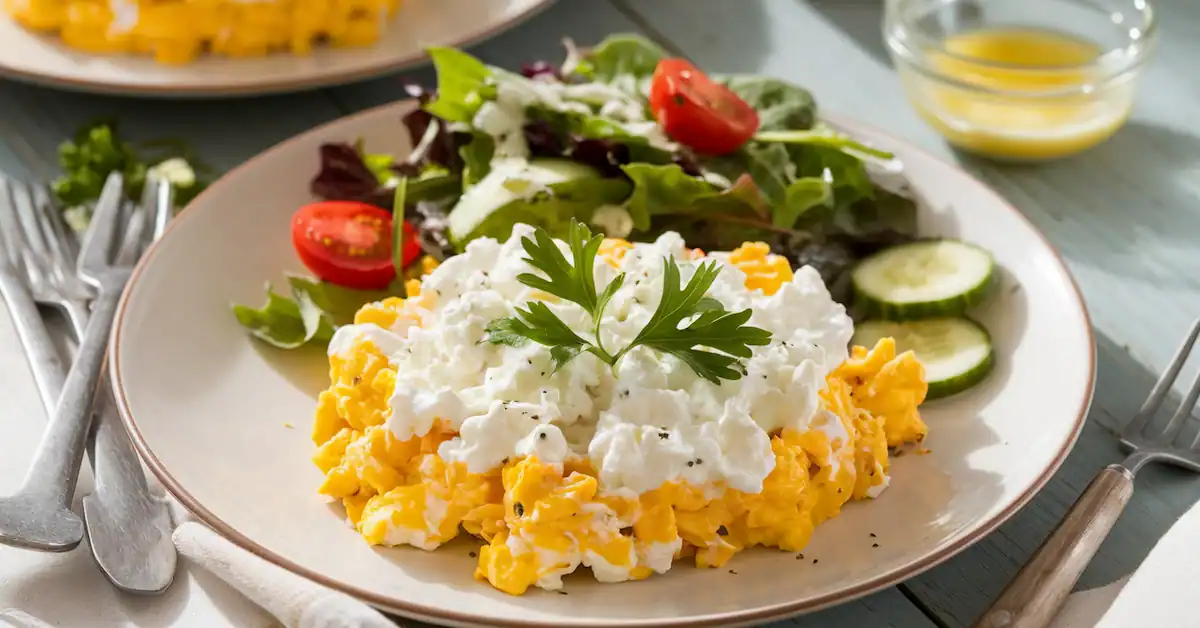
(573, 281)
(714, 328)
(712, 343)
(539, 324)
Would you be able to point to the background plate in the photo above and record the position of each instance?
(417, 25)
(207, 407)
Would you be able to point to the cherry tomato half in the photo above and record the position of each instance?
(697, 112)
(350, 243)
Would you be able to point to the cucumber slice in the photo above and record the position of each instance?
(957, 352)
(922, 279)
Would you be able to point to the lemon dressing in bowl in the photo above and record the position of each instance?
(1020, 88)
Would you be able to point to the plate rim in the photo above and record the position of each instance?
(267, 87)
(762, 614)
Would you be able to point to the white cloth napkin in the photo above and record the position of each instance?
(294, 601)
(1160, 593)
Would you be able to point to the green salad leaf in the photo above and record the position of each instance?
(434, 183)
(552, 208)
(623, 55)
(667, 189)
(309, 314)
(462, 84)
(285, 322)
(477, 158)
(712, 343)
(803, 195)
(781, 106)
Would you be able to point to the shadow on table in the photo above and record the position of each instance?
(1139, 187)
(862, 20)
(1162, 495)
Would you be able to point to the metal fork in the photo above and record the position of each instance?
(1037, 592)
(39, 515)
(51, 252)
(129, 531)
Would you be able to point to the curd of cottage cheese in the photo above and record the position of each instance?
(650, 420)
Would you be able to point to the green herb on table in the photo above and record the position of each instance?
(712, 343)
(97, 150)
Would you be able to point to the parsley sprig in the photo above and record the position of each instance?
(712, 343)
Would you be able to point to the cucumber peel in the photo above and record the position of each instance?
(956, 352)
(928, 278)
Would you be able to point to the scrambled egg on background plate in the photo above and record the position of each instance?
(623, 473)
(177, 31)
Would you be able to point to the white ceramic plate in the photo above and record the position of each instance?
(207, 407)
(417, 25)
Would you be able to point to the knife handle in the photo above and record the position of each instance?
(1037, 593)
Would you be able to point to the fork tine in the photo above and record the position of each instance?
(59, 236)
(164, 206)
(22, 200)
(1179, 419)
(1163, 385)
(131, 243)
(10, 236)
(99, 243)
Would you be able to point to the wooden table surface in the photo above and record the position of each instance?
(1125, 216)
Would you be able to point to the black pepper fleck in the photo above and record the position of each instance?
(814, 561)
(357, 379)
(874, 545)
(562, 592)
(472, 554)
(699, 461)
(519, 509)
(663, 435)
(733, 572)
(722, 531)
(542, 436)
(691, 463)
(679, 100)
(764, 376)
(872, 535)
(799, 556)
(535, 417)
(505, 461)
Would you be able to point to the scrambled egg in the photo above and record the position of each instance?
(539, 521)
(177, 31)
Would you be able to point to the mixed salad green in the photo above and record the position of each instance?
(634, 143)
(583, 140)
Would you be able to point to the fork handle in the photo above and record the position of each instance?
(45, 362)
(56, 463)
(1035, 595)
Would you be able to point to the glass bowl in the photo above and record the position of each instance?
(1021, 80)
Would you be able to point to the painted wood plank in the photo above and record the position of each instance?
(1121, 215)
(34, 120)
